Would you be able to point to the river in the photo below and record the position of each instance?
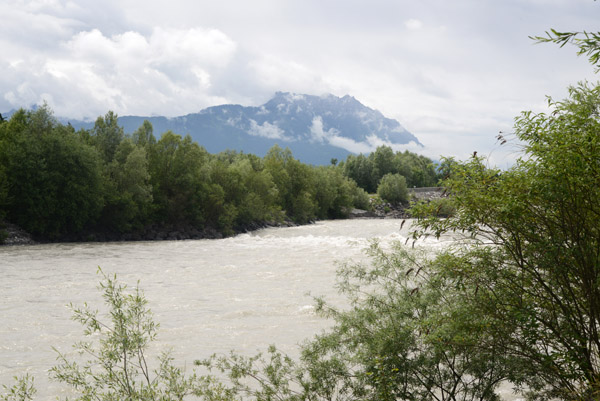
(209, 296)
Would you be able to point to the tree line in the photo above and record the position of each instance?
(56, 182)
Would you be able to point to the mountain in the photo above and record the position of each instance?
(315, 128)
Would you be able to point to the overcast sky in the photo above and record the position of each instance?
(453, 72)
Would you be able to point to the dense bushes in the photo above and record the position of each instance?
(367, 171)
(53, 179)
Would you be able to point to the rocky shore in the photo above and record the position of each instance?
(11, 234)
(391, 211)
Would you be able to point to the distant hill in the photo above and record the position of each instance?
(315, 128)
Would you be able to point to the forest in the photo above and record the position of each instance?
(61, 184)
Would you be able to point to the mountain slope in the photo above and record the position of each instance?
(315, 128)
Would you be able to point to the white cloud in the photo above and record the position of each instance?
(279, 74)
(318, 134)
(267, 130)
(413, 24)
(350, 144)
(130, 73)
(333, 137)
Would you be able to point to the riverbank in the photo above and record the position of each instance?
(10, 234)
(14, 235)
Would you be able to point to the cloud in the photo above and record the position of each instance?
(132, 73)
(318, 134)
(267, 130)
(333, 137)
(286, 75)
(413, 24)
(350, 144)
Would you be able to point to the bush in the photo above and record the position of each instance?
(22, 390)
(117, 368)
(392, 188)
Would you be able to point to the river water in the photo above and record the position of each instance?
(209, 296)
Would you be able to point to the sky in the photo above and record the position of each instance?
(452, 72)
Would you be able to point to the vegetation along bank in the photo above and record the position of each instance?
(100, 184)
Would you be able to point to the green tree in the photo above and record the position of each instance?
(383, 161)
(392, 188)
(361, 169)
(587, 42)
(127, 189)
(536, 241)
(294, 182)
(144, 135)
(181, 189)
(53, 178)
(333, 193)
(107, 135)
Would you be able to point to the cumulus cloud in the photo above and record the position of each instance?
(164, 72)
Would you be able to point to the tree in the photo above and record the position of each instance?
(392, 188)
(144, 136)
(293, 182)
(52, 178)
(534, 252)
(179, 183)
(22, 390)
(107, 135)
(127, 190)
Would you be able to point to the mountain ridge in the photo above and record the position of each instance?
(317, 129)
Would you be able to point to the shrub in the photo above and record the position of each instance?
(392, 188)
(117, 368)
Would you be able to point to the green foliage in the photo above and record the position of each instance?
(107, 135)
(361, 169)
(587, 42)
(392, 188)
(538, 225)
(118, 365)
(438, 207)
(407, 334)
(177, 178)
(360, 197)
(368, 171)
(53, 182)
(144, 135)
(22, 390)
(294, 182)
(58, 183)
